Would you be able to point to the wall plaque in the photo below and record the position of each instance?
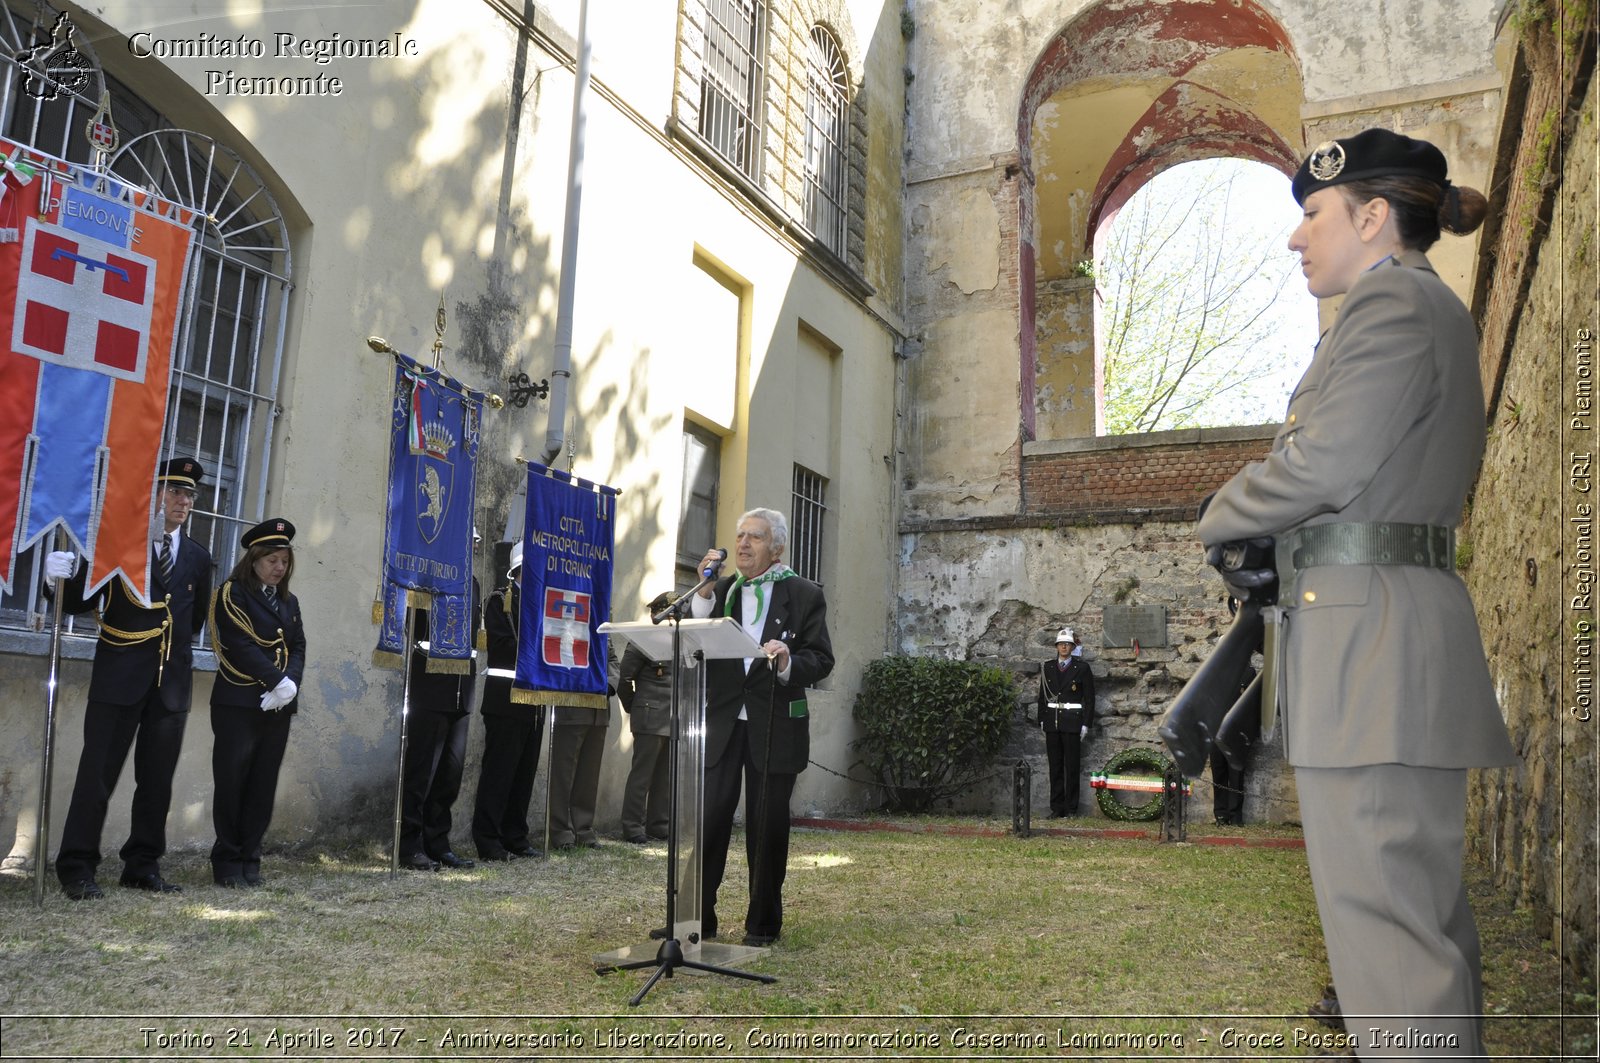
(1123, 624)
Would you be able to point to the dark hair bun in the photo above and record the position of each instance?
(1462, 210)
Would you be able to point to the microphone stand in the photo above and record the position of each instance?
(669, 957)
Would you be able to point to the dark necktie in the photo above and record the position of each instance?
(165, 557)
(272, 595)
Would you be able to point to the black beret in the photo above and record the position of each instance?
(1370, 153)
(274, 531)
(182, 472)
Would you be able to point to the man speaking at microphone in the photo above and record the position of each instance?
(757, 726)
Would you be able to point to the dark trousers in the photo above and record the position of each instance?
(1063, 749)
(1227, 786)
(436, 750)
(575, 752)
(766, 838)
(505, 782)
(647, 797)
(246, 753)
(156, 737)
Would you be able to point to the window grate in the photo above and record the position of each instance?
(809, 511)
(826, 172)
(730, 87)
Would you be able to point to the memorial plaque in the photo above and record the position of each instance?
(1122, 625)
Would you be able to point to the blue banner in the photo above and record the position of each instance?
(427, 535)
(568, 535)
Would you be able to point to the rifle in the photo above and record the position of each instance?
(1199, 713)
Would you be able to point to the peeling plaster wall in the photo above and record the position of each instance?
(1034, 579)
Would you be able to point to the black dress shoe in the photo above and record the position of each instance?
(636, 839)
(1326, 1010)
(419, 862)
(459, 863)
(523, 852)
(759, 941)
(493, 856)
(83, 889)
(151, 883)
(229, 882)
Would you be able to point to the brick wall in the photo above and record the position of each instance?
(1162, 475)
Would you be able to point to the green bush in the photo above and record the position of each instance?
(930, 728)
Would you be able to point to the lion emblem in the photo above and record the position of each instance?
(433, 493)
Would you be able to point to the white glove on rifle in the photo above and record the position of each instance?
(60, 564)
(285, 690)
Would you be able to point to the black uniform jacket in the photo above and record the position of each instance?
(446, 692)
(798, 615)
(502, 619)
(129, 657)
(258, 642)
(1075, 683)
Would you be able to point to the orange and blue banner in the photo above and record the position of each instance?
(435, 427)
(92, 275)
(567, 542)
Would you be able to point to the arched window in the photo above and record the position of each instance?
(227, 366)
(827, 94)
(1202, 318)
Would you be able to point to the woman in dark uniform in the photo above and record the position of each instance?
(261, 655)
(1389, 699)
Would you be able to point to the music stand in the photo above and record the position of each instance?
(677, 642)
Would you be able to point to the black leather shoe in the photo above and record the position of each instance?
(524, 852)
(419, 862)
(636, 839)
(1326, 1010)
(229, 882)
(759, 941)
(458, 863)
(151, 883)
(493, 856)
(83, 889)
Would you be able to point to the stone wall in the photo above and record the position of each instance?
(1532, 565)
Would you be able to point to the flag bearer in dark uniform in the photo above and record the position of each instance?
(1066, 709)
(261, 657)
(645, 689)
(436, 750)
(139, 694)
(511, 733)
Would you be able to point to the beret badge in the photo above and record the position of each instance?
(1327, 161)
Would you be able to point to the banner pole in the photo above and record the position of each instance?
(41, 844)
(405, 712)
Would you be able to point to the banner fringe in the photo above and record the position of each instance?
(385, 659)
(449, 666)
(562, 698)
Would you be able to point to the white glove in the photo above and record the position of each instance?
(285, 690)
(1083, 732)
(60, 564)
(270, 702)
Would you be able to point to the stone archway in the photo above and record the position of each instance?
(1120, 94)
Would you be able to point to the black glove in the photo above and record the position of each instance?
(1246, 565)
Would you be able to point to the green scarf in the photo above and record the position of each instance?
(771, 575)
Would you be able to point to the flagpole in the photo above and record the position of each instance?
(405, 713)
(41, 845)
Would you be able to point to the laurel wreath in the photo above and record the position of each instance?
(1140, 759)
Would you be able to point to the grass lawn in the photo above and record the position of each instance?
(896, 943)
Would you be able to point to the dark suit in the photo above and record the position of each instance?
(1389, 697)
(645, 689)
(1063, 728)
(259, 642)
(436, 747)
(511, 737)
(767, 751)
(134, 694)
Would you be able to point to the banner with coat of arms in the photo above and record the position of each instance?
(435, 428)
(568, 536)
(92, 276)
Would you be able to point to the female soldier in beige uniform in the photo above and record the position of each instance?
(1387, 694)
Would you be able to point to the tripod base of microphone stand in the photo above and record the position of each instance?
(668, 957)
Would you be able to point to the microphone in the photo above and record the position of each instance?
(710, 571)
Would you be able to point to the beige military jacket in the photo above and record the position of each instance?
(1383, 663)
